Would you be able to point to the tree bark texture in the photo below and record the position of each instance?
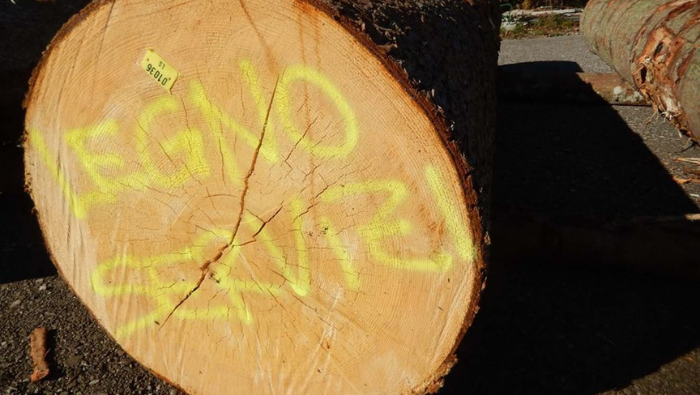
(652, 44)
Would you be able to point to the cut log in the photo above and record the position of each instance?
(263, 197)
(652, 44)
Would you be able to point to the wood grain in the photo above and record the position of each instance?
(253, 197)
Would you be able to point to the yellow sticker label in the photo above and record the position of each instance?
(162, 72)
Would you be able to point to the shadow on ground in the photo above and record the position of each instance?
(559, 329)
(551, 330)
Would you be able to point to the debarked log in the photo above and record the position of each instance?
(263, 197)
(652, 44)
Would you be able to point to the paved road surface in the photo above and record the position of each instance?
(541, 329)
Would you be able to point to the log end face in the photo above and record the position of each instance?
(258, 189)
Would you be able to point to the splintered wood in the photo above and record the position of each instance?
(254, 196)
(653, 45)
(39, 350)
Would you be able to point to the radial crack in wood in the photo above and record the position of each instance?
(205, 267)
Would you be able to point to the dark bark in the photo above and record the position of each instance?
(448, 51)
(445, 53)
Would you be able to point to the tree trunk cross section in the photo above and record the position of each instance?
(259, 197)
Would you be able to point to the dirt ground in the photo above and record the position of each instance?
(541, 329)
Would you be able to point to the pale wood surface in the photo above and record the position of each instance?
(285, 219)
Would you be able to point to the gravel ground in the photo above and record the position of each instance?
(540, 330)
(553, 49)
(87, 361)
(598, 160)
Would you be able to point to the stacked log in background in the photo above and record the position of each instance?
(652, 44)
